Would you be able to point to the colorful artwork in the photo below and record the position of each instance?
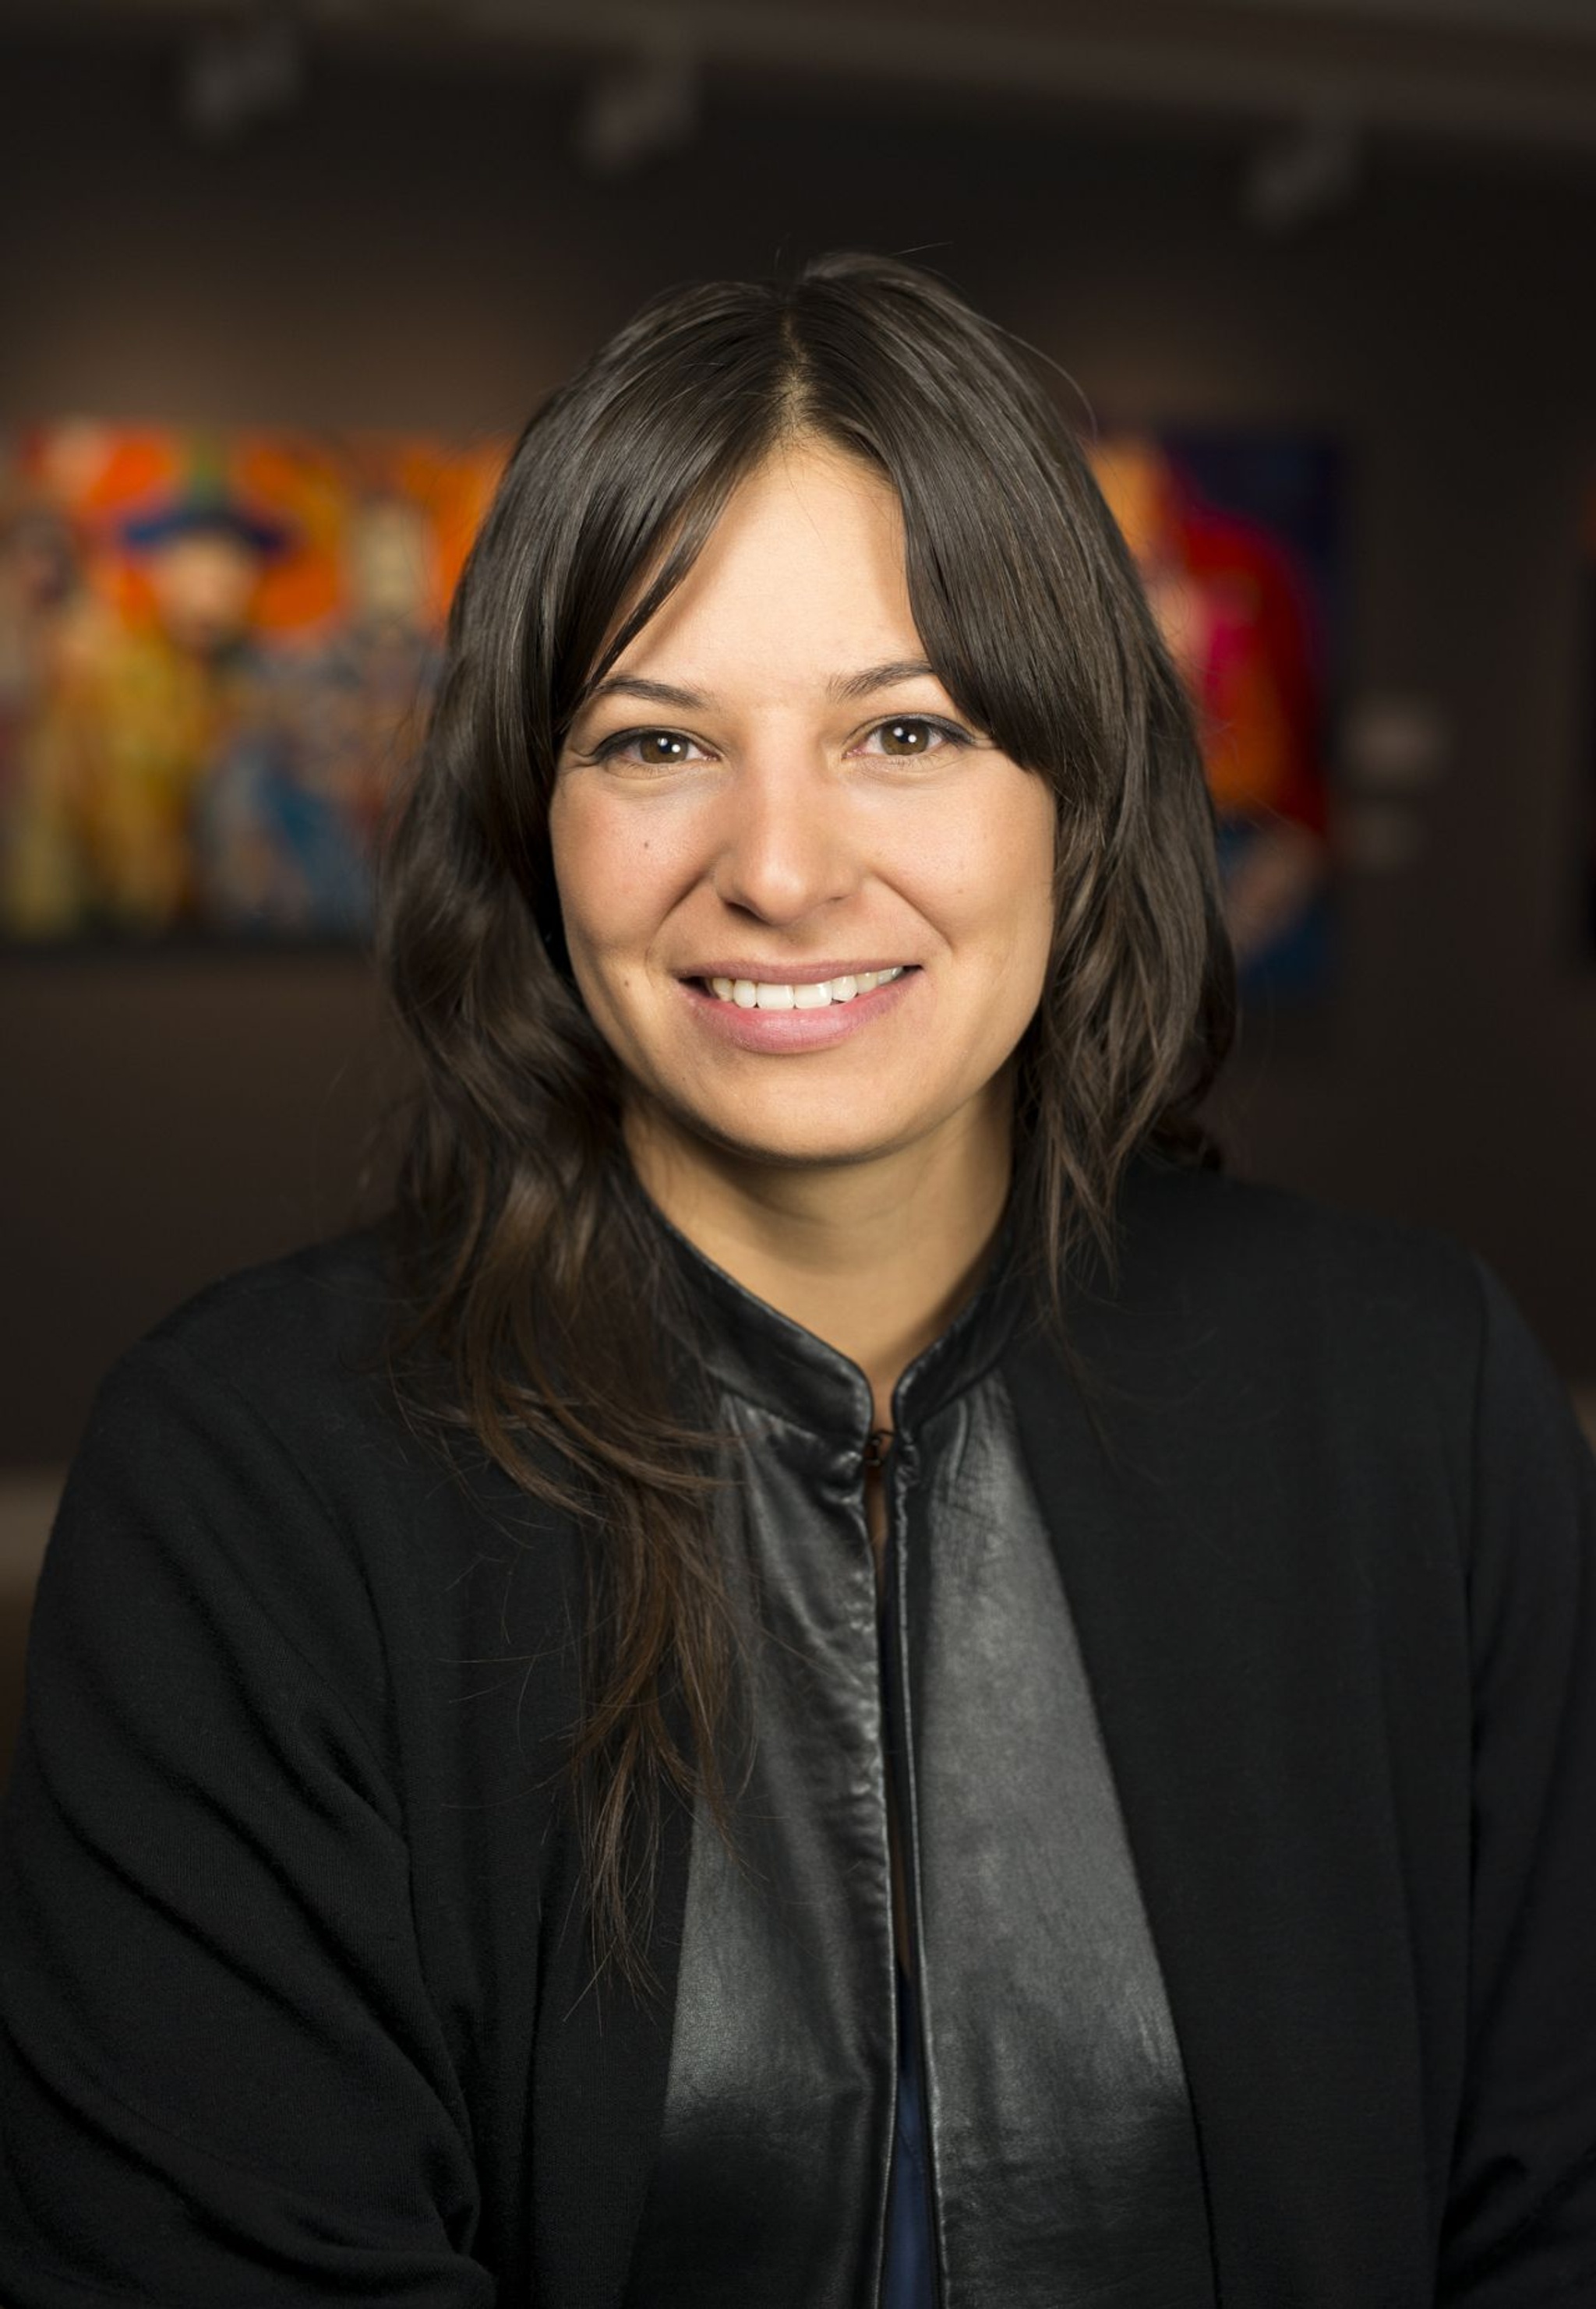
(214, 657)
(1236, 536)
(216, 653)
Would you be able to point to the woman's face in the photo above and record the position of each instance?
(771, 790)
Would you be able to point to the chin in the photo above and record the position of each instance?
(836, 1139)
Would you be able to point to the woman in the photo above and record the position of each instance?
(833, 1673)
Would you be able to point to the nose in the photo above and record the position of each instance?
(784, 847)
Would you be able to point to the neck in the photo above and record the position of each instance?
(875, 1258)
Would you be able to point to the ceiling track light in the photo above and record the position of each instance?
(233, 76)
(637, 110)
(1305, 174)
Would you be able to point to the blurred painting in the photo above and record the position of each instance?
(216, 652)
(1238, 538)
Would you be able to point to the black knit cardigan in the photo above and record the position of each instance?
(294, 1995)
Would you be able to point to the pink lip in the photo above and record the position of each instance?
(780, 1032)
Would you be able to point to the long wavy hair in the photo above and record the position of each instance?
(541, 1307)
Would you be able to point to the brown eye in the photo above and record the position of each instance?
(646, 749)
(661, 750)
(909, 735)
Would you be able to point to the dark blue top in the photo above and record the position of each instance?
(908, 2283)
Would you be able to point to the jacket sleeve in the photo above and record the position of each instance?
(1521, 2227)
(221, 2077)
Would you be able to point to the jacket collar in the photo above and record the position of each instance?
(751, 1350)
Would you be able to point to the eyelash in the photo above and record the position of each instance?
(610, 748)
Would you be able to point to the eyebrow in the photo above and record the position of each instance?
(843, 686)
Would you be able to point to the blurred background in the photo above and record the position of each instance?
(277, 286)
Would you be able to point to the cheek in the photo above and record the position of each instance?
(616, 875)
(991, 870)
(1036, 897)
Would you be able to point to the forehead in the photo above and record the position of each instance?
(805, 567)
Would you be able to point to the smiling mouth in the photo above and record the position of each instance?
(767, 994)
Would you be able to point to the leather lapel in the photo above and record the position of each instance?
(1225, 1631)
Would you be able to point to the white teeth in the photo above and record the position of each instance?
(749, 994)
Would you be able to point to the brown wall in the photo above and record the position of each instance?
(417, 249)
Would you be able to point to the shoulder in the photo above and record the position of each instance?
(285, 1376)
(1272, 1308)
(1292, 1309)
(249, 1467)
(1244, 1261)
(293, 1323)
(226, 1458)
(1339, 1395)
(293, 1352)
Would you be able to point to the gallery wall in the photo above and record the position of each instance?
(419, 249)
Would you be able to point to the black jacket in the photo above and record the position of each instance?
(295, 2002)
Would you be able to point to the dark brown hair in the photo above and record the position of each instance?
(539, 1289)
